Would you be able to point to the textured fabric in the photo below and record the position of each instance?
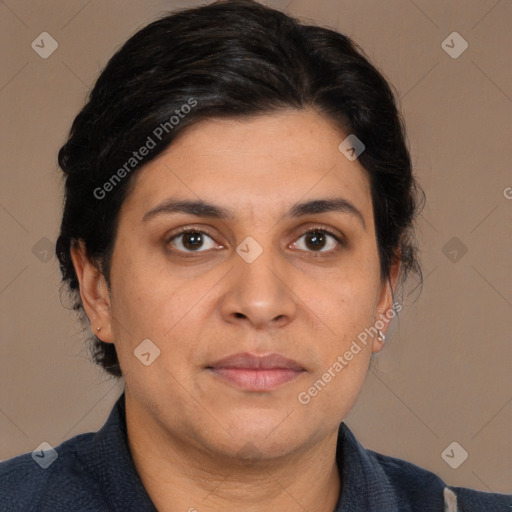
(94, 472)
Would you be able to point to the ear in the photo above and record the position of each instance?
(385, 302)
(94, 292)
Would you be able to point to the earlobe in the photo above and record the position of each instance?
(93, 292)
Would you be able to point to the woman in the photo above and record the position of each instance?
(238, 220)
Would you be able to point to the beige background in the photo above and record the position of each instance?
(445, 373)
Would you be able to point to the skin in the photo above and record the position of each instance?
(197, 441)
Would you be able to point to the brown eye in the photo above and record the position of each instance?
(317, 240)
(191, 241)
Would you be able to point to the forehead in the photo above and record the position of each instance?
(254, 165)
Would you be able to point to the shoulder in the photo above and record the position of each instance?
(374, 481)
(91, 472)
(416, 485)
(53, 479)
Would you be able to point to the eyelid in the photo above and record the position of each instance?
(339, 237)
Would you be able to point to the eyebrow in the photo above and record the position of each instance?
(204, 209)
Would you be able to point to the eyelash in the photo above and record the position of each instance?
(322, 230)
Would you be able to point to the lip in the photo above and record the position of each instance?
(256, 372)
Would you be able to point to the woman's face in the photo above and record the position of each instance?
(255, 282)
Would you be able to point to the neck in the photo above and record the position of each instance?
(178, 475)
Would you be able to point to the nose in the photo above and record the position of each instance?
(259, 293)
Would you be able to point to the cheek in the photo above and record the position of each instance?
(141, 291)
(347, 343)
(343, 353)
(346, 306)
(348, 301)
(144, 308)
(149, 303)
(136, 307)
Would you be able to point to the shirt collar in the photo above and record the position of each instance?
(110, 461)
(363, 481)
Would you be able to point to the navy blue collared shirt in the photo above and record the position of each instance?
(94, 472)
